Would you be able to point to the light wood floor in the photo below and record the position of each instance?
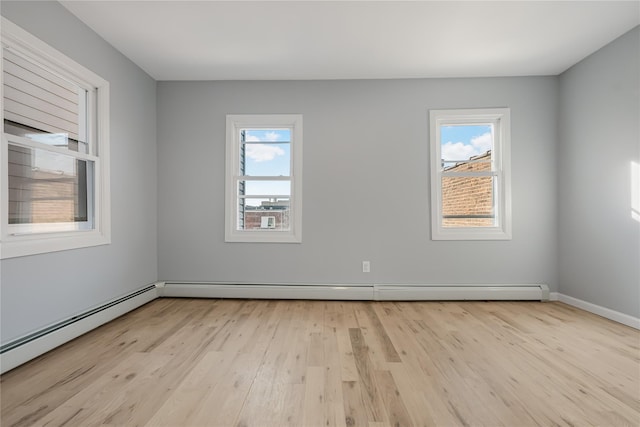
(182, 362)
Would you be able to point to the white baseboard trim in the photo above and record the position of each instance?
(23, 349)
(270, 291)
(366, 292)
(616, 316)
(461, 292)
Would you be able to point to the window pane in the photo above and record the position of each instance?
(266, 159)
(264, 214)
(265, 152)
(469, 144)
(46, 187)
(468, 202)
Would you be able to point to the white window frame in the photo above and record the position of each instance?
(236, 122)
(500, 118)
(22, 241)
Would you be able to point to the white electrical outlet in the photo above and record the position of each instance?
(366, 267)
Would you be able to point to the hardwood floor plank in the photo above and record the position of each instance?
(348, 370)
(333, 406)
(314, 398)
(389, 351)
(366, 377)
(419, 408)
(354, 404)
(199, 362)
(334, 409)
(372, 335)
(393, 403)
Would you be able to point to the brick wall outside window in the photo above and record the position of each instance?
(468, 196)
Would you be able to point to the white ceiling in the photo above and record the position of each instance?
(278, 40)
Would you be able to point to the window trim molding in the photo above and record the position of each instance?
(25, 44)
(502, 151)
(234, 122)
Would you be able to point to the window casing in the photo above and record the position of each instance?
(264, 178)
(470, 174)
(54, 158)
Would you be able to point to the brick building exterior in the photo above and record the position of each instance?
(271, 215)
(468, 201)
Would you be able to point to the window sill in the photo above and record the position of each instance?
(19, 246)
(471, 234)
(262, 237)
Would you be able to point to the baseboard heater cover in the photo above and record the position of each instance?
(267, 291)
(461, 293)
(21, 350)
(364, 292)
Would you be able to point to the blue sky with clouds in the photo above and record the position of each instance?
(273, 157)
(461, 142)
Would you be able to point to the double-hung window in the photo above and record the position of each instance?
(264, 178)
(470, 174)
(54, 154)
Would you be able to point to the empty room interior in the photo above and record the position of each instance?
(305, 213)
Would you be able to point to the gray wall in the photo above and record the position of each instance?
(41, 289)
(366, 183)
(599, 242)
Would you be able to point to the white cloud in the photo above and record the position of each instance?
(460, 151)
(263, 152)
(482, 143)
(267, 137)
(271, 136)
(456, 151)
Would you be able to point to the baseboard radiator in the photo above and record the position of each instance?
(461, 292)
(387, 292)
(21, 350)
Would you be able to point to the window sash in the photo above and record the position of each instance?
(248, 144)
(85, 181)
(455, 213)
